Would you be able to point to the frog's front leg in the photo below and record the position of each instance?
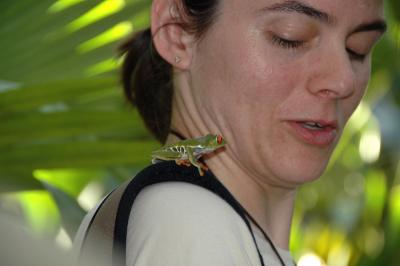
(200, 166)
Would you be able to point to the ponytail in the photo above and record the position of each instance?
(147, 82)
(147, 78)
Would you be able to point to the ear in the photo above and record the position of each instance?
(172, 42)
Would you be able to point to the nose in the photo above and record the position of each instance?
(332, 76)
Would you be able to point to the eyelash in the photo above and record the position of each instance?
(356, 56)
(290, 44)
(287, 44)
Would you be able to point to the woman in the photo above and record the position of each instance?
(278, 79)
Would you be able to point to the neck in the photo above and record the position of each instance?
(270, 205)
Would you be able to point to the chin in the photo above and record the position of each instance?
(305, 172)
(307, 165)
(293, 171)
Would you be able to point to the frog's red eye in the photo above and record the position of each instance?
(219, 139)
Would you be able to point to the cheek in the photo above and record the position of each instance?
(255, 79)
(242, 84)
(361, 83)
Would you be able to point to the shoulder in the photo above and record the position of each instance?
(177, 219)
(177, 200)
(184, 207)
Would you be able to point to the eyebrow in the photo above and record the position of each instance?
(302, 8)
(296, 6)
(377, 25)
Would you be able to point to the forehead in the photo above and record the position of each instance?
(338, 9)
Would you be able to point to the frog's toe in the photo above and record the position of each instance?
(203, 166)
(182, 162)
(201, 172)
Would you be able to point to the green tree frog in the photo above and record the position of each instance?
(188, 152)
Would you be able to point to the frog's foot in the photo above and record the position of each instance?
(183, 162)
(201, 172)
(203, 166)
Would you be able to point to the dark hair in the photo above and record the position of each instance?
(147, 78)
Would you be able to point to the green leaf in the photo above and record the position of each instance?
(78, 154)
(40, 211)
(34, 127)
(70, 181)
(70, 211)
(17, 180)
(34, 96)
(394, 6)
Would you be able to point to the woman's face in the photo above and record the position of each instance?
(268, 70)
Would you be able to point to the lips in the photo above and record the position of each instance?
(319, 133)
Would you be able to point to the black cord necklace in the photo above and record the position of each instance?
(177, 134)
(181, 137)
(265, 236)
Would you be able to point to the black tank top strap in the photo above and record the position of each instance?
(177, 134)
(164, 172)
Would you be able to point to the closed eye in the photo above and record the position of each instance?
(356, 56)
(287, 44)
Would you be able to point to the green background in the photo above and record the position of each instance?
(67, 136)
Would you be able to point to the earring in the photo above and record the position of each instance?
(177, 59)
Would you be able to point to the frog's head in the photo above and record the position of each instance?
(215, 141)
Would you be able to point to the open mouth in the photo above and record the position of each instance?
(315, 132)
(317, 125)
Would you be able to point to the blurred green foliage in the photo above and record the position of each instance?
(67, 137)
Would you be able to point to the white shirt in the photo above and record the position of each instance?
(180, 224)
